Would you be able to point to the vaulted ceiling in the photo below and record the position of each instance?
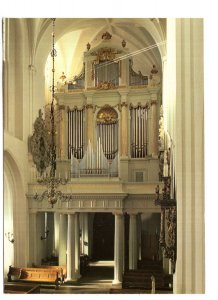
(72, 36)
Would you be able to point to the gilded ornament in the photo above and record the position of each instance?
(107, 115)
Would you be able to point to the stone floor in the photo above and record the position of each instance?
(97, 280)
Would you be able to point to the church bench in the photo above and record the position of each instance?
(40, 275)
(13, 274)
(142, 279)
(62, 270)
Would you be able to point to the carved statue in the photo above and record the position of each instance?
(61, 81)
(154, 77)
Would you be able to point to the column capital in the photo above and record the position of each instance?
(118, 213)
(132, 213)
(153, 101)
(123, 104)
(89, 105)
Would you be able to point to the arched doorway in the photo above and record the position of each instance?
(103, 236)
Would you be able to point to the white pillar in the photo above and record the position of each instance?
(62, 239)
(71, 274)
(124, 129)
(56, 233)
(77, 246)
(186, 126)
(41, 233)
(133, 255)
(118, 249)
(139, 230)
(33, 240)
(85, 233)
(50, 237)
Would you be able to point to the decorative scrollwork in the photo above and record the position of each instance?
(106, 85)
(107, 115)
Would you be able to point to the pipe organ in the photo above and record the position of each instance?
(76, 133)
(107, 131)
(112, 119)
(136, 78)
(139, 131)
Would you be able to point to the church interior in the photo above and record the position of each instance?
(103, 155)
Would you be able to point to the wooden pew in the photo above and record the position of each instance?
(62, 270)
(40, 275)
(13, 274)
(142, 279)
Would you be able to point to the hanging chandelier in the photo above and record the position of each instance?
(50, 180)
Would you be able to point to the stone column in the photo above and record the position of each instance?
(71, 274)
(124, 129)
(91, 219)
(139, 230)
(185, 38)
(41, 233)
(50, 237)
(62, 239)
(33, 242)
(133, 255)
(118, 249)
(85, 233)
(154, 140)
(124, 137)
(56, 233)
(77, 246)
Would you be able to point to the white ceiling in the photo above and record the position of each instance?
(72, 35)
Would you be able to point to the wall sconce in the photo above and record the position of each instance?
(10, 237)
(45, 236)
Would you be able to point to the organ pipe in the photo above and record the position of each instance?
(76, 133)
(139, 129)
(108, 136)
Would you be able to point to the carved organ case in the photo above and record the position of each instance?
(109, 111)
